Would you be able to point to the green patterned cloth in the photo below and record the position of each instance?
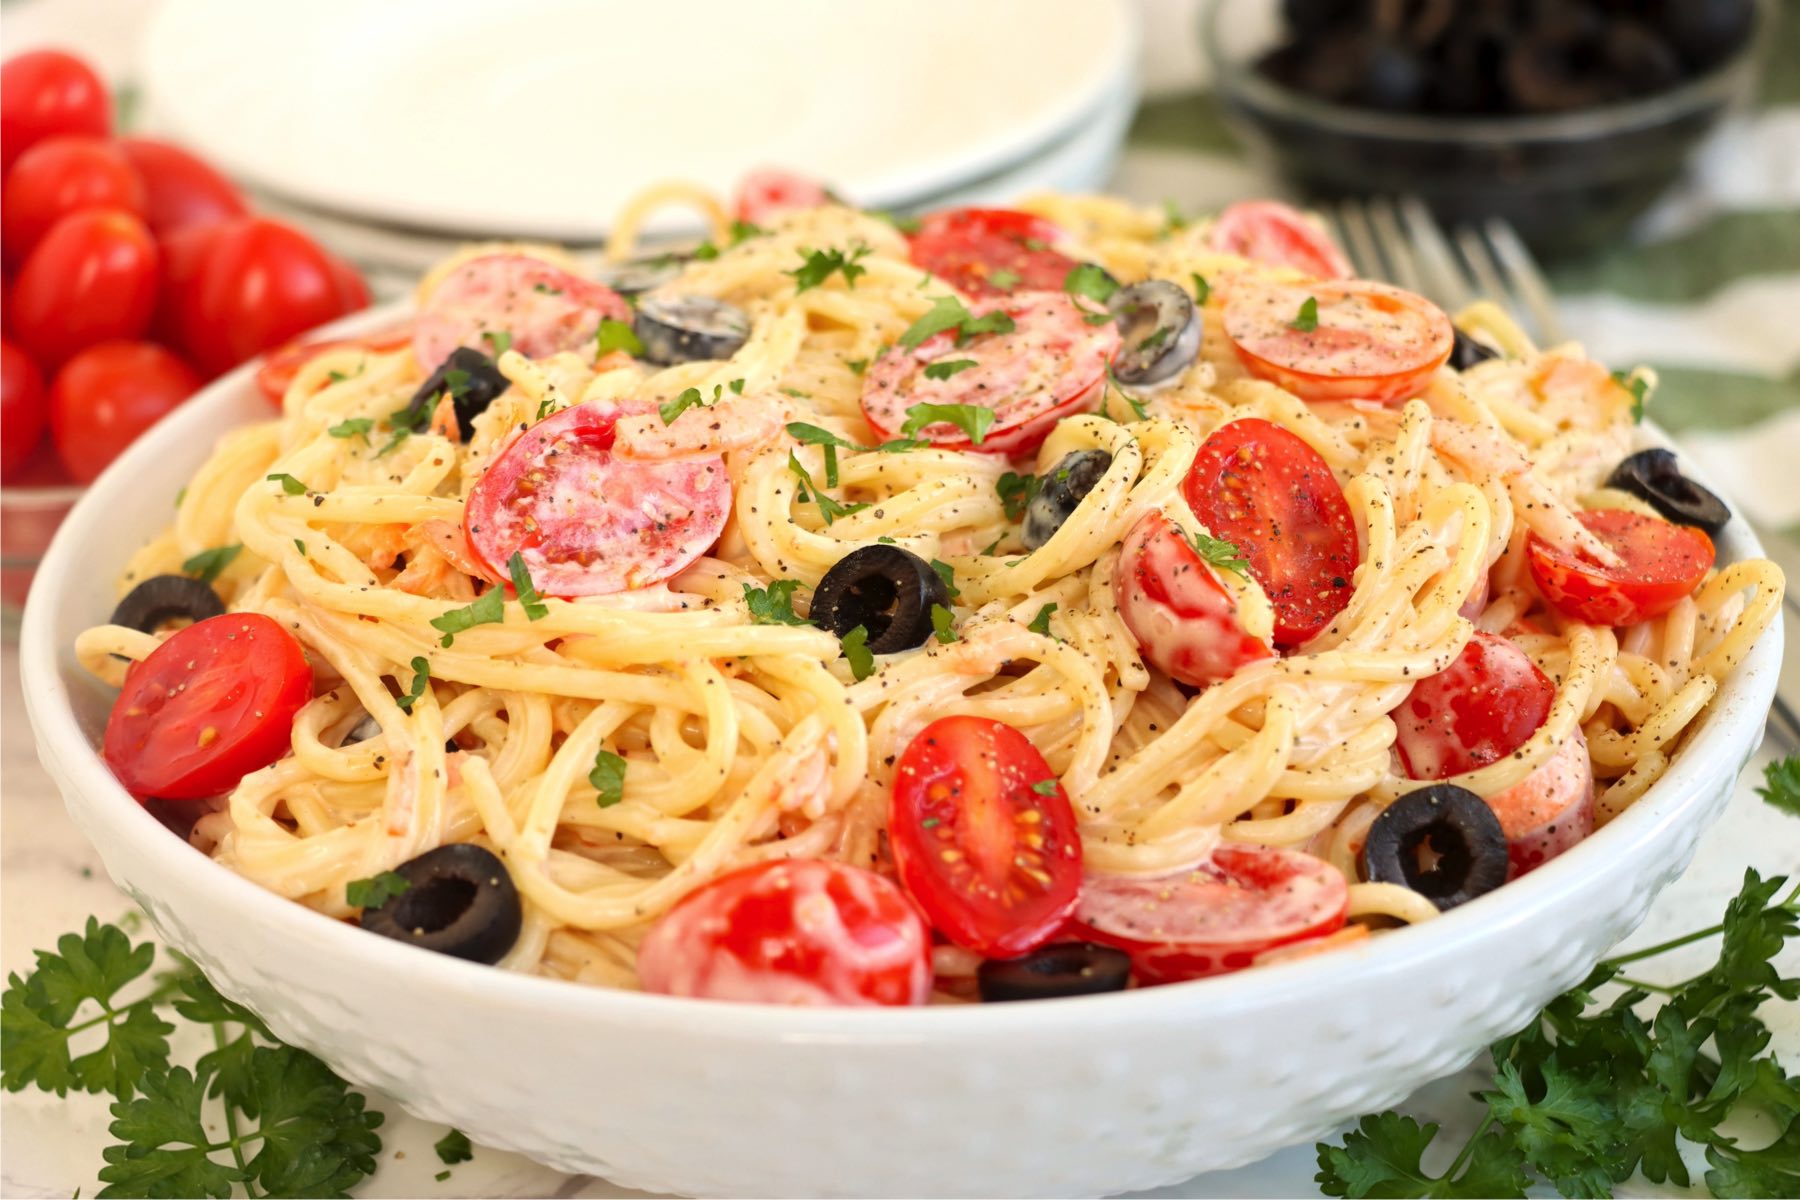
(1707, 290)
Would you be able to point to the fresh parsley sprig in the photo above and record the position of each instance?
(489, 610)
(949, 313)
(815, 435)
(1637, 384)
(608, 778)
(206, 565)
(817, 266)
(1217, 552)
(973, 419)
(773, 605)
(829, 508)
(1016, 493)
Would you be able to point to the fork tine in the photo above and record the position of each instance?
(1395, 246)
(1442, 276)
(1359, 241)
(1484, 268)
(1527, 281)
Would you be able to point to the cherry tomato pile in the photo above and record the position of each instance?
(134, 272)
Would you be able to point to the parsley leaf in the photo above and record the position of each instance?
(742, 231)
(973, 419)
(1004, 279)
(1016, 493)
(691, 398)
(1781, 784)
(818, 265)
(773, 605)
(857, 365)
(705, 251)
(1217, 552)
(376, 890)
(1381, 1157)
(947, 312)
(489, 610)
(499, 339)
(529, 600)
(454, 1148)
(421, 680)
(1638, 386)
(904, 224)
(1092, 281)
(206, 565)
(947, 573)
(1173, 219)
(1307, 319)
(829, 508)
(943, 623)
(1045, 787)
(1202, 289)
(289, 484)
(1041, 622)
(1137, 407)
(858, 654)
(616, 335)
(945, 368)
(608, 778)
(352, 427)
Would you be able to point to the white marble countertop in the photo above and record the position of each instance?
(51, 880)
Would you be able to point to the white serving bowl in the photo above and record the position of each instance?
(1065, 1097)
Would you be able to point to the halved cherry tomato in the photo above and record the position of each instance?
(91, 279)
(1052, 363)
(1483, 706)
(586, 521)
(107, 395)
(1371, 341)
(795, 932)
(59, 176)
(1218, 917)
(277, 372)
(767, 192)
(45, 93)
(1550, 809)
(1659, 564)
(1185, 621)
(1257, 485)
(210, 705)
(983, 836)
(991, 251)
(24, 411)
(180, 189)
(1268, 231)
(544, 308)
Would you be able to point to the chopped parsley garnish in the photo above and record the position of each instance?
(742, 231)
(376, 890)
(608, 778)
(1004, 279)
(773, 605)
(1202, 289)
(400, 435)
(352, 427)
(946, 573)
(546, 289)
(1173, 219)
(857, 365)
(946, 313)
(858, 654)
(1045, 787)
(1634, 382)
(545, 407)
(289, 484)
(691, 398)
(736, 386)
(421, 680)
(616, 335)
(943, 623)
(1217, 552)
(818, 265)
(300, 546)
(454, 1148)
(499, 340)
(973, 419)
(529, 600)
(829, 509)
(1041, 622)
(948, 367)
(1092, 281)
(1136, 405)
(1016, 493)
(489, 610)
(903, 223)
(206, 565)
(705, 251)
(1307, 319)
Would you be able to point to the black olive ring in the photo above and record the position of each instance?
(1654, 476)
(1064, 969)
(164, 598)
(459, 901)
(886, 590)
(1453, 824)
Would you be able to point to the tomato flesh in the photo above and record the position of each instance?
(1216, 918)
(994, 861)
(1659, 564)
(541, 307)
(1260, 487)
(1185, 621)
(207, 707)
(1482, 707)
(1268, 231)
(991, 251)
(588, 522)
(794, 932)
(1371, 341)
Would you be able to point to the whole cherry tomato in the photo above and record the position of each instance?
(59, 176)
(179, 188)
(107, 395)
(91, 279)
(22, 408)
(239, 287)
(47, 92)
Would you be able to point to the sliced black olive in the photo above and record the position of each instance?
(1654, 476)
(1467, 352)
(636, 276)
(678, 329)
(164, 598)
(1441, 841)
(886, 590)
(472, 380)
(1161, 327)
(460, 902)
(1059, 490)
(1065, 969)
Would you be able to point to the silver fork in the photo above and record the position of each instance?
(1400, 241)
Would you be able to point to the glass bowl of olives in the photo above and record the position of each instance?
(1566, 118)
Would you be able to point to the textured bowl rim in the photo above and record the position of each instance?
(1236, 82)
(1728, 732)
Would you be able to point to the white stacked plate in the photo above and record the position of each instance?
(396, 130)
